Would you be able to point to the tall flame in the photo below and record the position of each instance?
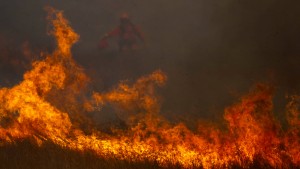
(43, 107)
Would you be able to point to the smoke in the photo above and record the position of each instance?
(211, 50)
(45, 106)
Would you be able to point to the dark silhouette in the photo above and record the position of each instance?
(127, 32)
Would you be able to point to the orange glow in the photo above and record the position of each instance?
(43, 107)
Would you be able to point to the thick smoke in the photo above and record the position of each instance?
(211, 50)
(48, 103)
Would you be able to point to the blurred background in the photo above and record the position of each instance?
(212, 51)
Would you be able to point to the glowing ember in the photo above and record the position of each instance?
(42, 107)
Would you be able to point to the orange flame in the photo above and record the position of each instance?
(42, 107)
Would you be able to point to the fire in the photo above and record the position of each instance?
(44, 106)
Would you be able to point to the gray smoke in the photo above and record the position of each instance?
(212, 51)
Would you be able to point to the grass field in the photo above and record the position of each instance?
(26, 155)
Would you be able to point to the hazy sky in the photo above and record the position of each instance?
(211, 50)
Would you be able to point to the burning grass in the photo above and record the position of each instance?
(48, 108)
(26, 155)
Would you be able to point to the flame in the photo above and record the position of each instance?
(44, 106)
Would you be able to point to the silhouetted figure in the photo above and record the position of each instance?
(127, 33)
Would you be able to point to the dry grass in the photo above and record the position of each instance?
(25, 155)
